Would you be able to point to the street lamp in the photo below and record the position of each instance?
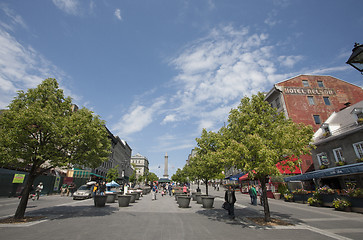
(356, 59)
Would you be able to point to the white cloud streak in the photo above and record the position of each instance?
(69, 6)
(138, 118)
(118, 14)
(21, 67)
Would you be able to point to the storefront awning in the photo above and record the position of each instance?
(330, 172)
(236, 177)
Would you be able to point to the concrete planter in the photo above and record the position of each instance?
(207, 201)
(193, 196)
(111, 197)
(277, 195)
(184, 201)
(199, 198)
(177, 195)
(327, 199)
(300, 198)
(124, 200)
(196, 195)
(100, 200)
(133, 197)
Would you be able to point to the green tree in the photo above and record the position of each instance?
(180, 176)
(257, 137)
(40, 131)
(132, 178)
(152, 177)
(112, 174)
(207, 164)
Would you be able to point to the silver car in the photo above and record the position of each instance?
(83, 192)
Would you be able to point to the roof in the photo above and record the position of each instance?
(339, 123)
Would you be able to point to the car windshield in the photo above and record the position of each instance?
(85, 187)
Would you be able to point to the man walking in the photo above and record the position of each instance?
(230, 199)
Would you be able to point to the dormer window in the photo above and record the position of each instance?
(358, 114)
(325, 128)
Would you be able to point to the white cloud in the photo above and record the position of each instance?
(69, 6)
(118, 14)
(217, 71)
(138, 118)
(22, 67)
(289, 61)
(15, 19)
(169, 118)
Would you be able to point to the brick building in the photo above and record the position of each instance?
(311, 100)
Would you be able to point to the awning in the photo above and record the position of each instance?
(236, 177)
(284, 169)
(330, 172)
(94, 174)
(244, 177)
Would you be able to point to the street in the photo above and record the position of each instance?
(163, 219)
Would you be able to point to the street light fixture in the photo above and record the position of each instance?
(356, 59)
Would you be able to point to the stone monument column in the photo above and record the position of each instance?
(166, 167)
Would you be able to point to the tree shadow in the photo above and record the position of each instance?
(65, 212)
(242, 215)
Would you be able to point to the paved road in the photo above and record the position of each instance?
(163, 220)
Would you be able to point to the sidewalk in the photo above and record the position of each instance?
(162, 219)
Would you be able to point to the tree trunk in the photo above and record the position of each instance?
(206, 187)
(20, 211)
(266, 208)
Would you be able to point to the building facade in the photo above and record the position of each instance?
(141, 164)
(311, 100)
(339, 150)
(120, 156)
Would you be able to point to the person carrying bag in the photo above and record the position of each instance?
(230, 199)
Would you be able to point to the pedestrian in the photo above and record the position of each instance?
(230, 199)
(103, 188)
(154, 191)
(170, 188)
(185, 189)
(71, 188)
(253, 195)
(38, 190)
(95, 189)
(63, 190)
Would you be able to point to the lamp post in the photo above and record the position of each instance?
(356, 59)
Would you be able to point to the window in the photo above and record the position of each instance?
(305, 83)
(338, 154)
(326, 100)
(358, 148)
(323, 159)
(311, 100)
(317, 119)
(320, 84)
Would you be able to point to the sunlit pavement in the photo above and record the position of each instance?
(163, 219)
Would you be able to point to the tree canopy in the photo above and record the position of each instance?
(112, 174)
(258, 137)
(41, 130)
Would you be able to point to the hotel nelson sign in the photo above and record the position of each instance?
(309, 91)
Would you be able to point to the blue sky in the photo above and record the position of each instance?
(159, 71)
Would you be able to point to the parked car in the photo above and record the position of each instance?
(83, 192)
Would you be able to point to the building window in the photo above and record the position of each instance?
(317, 119)
(358, 148)
(326, 100)
(305, 83)
(320, 84)
(323, 159)
(338, 154)
(311, 100)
